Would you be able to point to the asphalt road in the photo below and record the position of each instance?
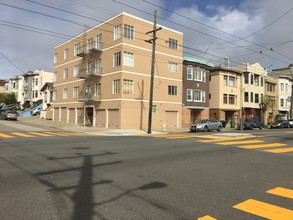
(70, 176)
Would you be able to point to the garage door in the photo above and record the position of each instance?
(80, 115)
(113, 118)
(100, 118)
(56, 114)
(172, 119)
(64, 114)
(71, 115)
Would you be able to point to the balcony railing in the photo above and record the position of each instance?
(88, 96)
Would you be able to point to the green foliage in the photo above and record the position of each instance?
(7, 98)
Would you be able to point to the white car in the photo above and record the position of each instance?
(206, 125)
(36, 111)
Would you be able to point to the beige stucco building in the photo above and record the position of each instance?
(225, 94)
(102, 77)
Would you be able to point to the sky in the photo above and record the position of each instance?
(241, 31)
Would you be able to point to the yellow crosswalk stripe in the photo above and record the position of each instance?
(40, 134)
(56, 133)
(6, 135)
(262, 146)
(240, 142)
(222, 139)
(22, 134)
(206, 217)
(280, 191)
(281, 150)
(265, 210)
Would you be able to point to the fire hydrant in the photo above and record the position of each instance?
(164, 126)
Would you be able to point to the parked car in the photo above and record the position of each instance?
(8, 115)
(280, 124)
(206, 125)
(36, 111)
(251, 123)
(290, 123)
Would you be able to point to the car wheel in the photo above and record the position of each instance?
(205, 129)
(260, 127)
(219, 128)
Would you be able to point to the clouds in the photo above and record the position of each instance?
(37, 29)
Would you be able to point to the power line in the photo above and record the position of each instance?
(11, 62)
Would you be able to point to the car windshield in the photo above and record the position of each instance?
(279, 121)
(203, 121)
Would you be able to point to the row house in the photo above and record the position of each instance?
(195, 102)
(27, 87)
(102, 77)
(270, 99)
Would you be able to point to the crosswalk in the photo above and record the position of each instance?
(33, 134)
(263, 209)
(241, 141)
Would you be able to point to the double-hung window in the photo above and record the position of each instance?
(99, 41)
(225, 80)
(117, 32)
(232, 99)
(172, 90)
(76, 49)
(198, 75)
(232, 81)
(117, 59)
(128, 59)
(189, 95)
(65, 73)
(173, 44)
(225, 98)
(116, 86)
(65, 93)
(76, 71)
(90, 44)
(97, 89)
(98, 66)
(75, 91)
(198, 95)
(128, 32)
(173, 67)
(246, 98)
(128, 86)
(256, 80)
(189, 73)
(66, 54)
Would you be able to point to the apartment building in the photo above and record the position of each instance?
(270, 99)
(225, 94)
(284, 99)
(27, 87)
(102, 76)
(195, 102)
(252, 89)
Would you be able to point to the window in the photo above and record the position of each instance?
(173, 43)
(154, 109)
(54, 97)
(232, 99)
(261, 81)
(246, 78)
(189, 95)
(128, 32)
(225, 80)
(128, 59)
(198, 95)
(225, 99)
(246, 97)
(76, 71)
(76, 49)
(99, 41)
(66, 54)
(251, 79)
(256, 80)
(128, 86)
(37, 81)
(55, 77)
(117, 59)
(282, 87)
(65, 93)
(98, 89)
(117, 32)
(251, 97)
(75, 91)
(256, 98)
(189, 73)
(98, 66)
(199, 75)
(172, 90)
(173, 67)
(232, 81)
(282, 102)
(270, 87)
(65, 74)
(90, 44)
(89, 68)
(36, 93)
(55, 58)
(116, 86)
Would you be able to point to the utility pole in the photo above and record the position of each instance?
(153, 42)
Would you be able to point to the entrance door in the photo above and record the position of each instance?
(171, 119)
(89, 115)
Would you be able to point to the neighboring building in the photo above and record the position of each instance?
(195, 92)
(47, 94)
(270, 99)
(225, 94)
(284, 99)
(2, 83)
(102, 77)
(27, 87)
(287, 71)
(252, 89)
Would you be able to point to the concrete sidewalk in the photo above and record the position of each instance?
(36, 120)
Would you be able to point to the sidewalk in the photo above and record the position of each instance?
(36, 120)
